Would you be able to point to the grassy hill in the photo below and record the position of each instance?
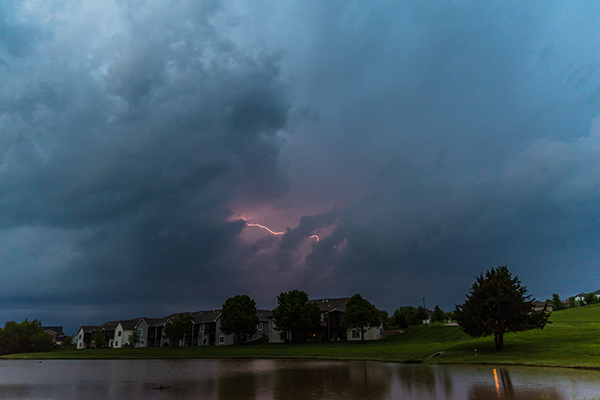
(572, 340)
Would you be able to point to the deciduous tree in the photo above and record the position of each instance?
(239, 316)
(134, 337)
(497, 304)
(590, 298)
(181, 327)
(295, 314)
(25, 337)
(438, 314)
(99, 339)
(68, 342)
(557, 304)
(361, 315)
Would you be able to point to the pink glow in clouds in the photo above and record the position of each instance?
(270, 230)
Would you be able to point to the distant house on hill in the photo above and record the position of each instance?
(540, 305)
(332, 312)
(581, 296)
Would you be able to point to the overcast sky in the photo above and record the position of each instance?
(422, 142)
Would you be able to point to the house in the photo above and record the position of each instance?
(56, 332)
(332, 312)
(206, 331)
(540, 305)
(87, 333)
(208, 328)
(85, 336)
(580, 296)
(147, 327)
(122, 332)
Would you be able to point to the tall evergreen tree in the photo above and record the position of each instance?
(496, 304)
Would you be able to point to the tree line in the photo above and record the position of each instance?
(24, 337)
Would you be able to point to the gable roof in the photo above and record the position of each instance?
(109, 326)
(328, 305)
(202, 317)
(56, 329)
(130, 324)
(88, 328)
(150, 321)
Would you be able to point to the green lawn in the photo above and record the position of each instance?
(572, 340)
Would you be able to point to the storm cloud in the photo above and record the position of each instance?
(421, 143)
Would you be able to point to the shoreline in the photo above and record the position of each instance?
(570, 341)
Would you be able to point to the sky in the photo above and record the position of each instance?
(141, 142)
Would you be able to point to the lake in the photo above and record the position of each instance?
(286, 380)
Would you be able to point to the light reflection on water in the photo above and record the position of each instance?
(286, 379)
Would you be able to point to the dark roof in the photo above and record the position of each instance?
(130, 324)
(56, 329)
(89, 328)
(264, 315)
(109, 326)
(326, 305)
(150, 321)
(202, 317)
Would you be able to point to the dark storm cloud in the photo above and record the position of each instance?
(422, 142)
(138, 146)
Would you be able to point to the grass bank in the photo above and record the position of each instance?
(572, 340)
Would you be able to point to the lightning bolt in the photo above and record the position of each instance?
(264, 227)
(248, 223)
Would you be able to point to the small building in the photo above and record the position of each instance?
(540, 305)
(56, 332)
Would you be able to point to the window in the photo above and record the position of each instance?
(259, 326)
(80, 336)
(355, 334)
(117, 343)
(142, 342)
(119, 335)
(221, 339)
(202, 328)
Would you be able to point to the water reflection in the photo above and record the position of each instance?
(286, 379)
(238, 386)
(503, 388)
(355, 380)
